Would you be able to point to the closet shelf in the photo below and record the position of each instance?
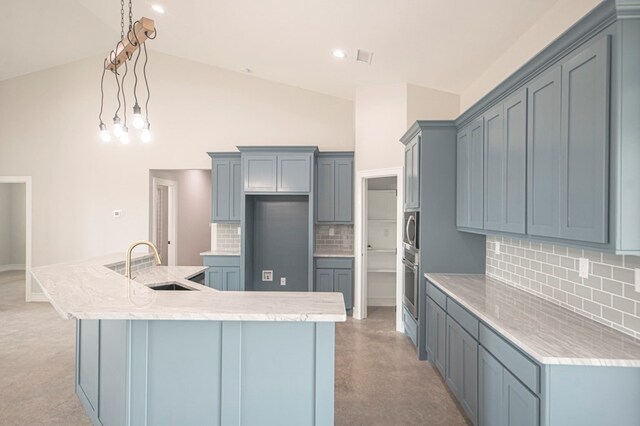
(382, 220)
(382, 270)
(381, 251)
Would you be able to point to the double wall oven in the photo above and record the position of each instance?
(411, 261)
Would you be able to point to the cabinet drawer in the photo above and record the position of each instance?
(221, 261)
(437, 295)
(464, 318)
(334, 262)
(522, 367)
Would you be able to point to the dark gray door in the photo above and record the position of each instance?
(343, 190)
(326, 190)
(584, 176)
(519, 405)
(462, 176)
(489, 390)
(494, 179)
(515, 163)
(543, 155)
(343, 283)
(476, 174)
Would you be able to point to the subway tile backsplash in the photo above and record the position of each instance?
(227, 237)
(550, 271)
(341, 242)
(136, 264)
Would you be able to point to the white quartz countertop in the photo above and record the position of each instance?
(219, 253)
(547, 332)
(88, 290)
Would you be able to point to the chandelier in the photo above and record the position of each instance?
(130, 45)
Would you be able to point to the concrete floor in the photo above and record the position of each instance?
(379, 380)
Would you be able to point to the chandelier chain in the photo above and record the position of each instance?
(121, 19)
(130, 16)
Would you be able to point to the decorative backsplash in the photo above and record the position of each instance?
(551, 271)
(227, 237)
(136, 264)
(341, 242)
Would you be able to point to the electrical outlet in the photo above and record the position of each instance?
(332, 232)
(239, 230)
(583, 267)
(117, 213)
(283, 280)
(496, 247)
(267, 275)
(638, 280)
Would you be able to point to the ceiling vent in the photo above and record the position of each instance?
(364, 56)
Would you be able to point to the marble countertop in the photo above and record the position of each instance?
(316, 254)
(88, 290)
(547, 332)
(219, 253)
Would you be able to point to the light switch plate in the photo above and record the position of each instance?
(496, 247)
(332, 232)
(283, 280)
(239, 230)
(117, 213)
(583, 267)
(267, 275)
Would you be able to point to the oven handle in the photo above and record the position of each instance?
(410, 265)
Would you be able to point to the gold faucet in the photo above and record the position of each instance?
(127, 267)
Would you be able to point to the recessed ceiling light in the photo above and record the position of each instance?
(158, 8)
(339, 53)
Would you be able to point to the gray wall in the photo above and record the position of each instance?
(194, 211)
(12, 223)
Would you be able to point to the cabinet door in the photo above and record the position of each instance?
(259, 173)
(214, 278)
(231, 280)
(415, 174)
(294, 173)
(432, 330)
(476, 174)
(515, 163)
(462, 179)
(324, 280)
(441, 340)
(489, 390)
(325, 198)
(344, 190)
(235, 189)
(584, 154)
(543, 155)
(494, 159)
(462, 367)
(343, 283)
(220, 177)
(408, 173)
(519, 406)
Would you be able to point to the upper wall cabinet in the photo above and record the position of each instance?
(412, 174)
(281, 170)
(334, 192)
(470, 184)
(505, 165)
(226, 180)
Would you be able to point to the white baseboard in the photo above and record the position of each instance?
(14, 267)
(381, 301)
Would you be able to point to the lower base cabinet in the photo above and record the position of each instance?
(436, 335)
(335, 275)
(223, 278)
(503, 399)
(462, 367)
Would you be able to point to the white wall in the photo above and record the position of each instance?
(557, 20)
(194, 212)
(48, 130)
(12, 224)
(5, 224)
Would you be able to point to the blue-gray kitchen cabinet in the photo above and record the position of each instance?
(335, 275)
(584, 141)
(294, 173)
(259, 172)
(334, 191)
(519, 405)
(277, 170)
(505, 165)
(462, 367)
(214, 277)
(470, 184)
(226, 184)
(490, 373)
(412, 174)
(543, 155)
(436, 335)
(225, 278)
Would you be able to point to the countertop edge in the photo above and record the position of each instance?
(545, 360)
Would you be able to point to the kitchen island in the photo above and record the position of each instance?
(196, 356)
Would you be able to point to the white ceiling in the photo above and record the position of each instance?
(441, 44)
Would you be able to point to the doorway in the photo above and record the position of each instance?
(164, 219)
(379, 278)
(15, 230)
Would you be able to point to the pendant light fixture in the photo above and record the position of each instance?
(134, 41)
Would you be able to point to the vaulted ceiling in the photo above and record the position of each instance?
(435, 43)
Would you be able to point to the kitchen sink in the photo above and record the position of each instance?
(170, 286)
